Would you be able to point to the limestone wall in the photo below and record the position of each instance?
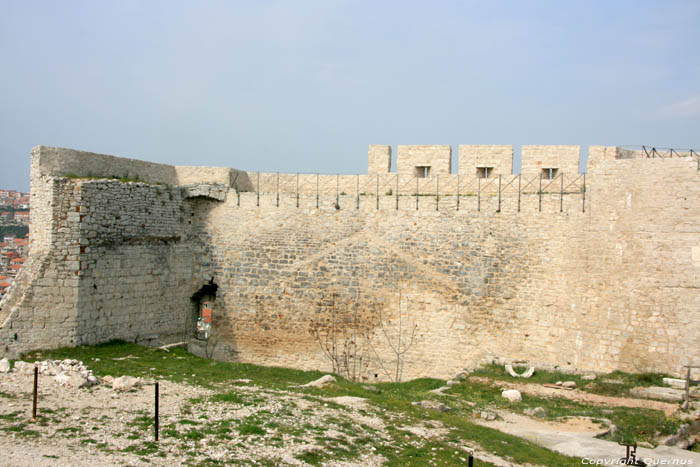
(471, 156)
(108, 260)
(536, 157)
(437, 157)
(600, 279)
(609, 288)
(379, 159)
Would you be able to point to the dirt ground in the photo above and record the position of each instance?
(581, 396)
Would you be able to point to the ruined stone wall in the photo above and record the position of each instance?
(108, 260)
(600, 279)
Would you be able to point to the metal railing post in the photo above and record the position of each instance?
(561, 194)
(499, 193)
(437, 192)
(458, 192)
(397, 192)
(478, 196)
(416, 193)
(583, 193)
(377, 191)
(520, 177)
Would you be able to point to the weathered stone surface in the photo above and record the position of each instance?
(536, 412)
(659, 392)
(675, 382)
(321, 382)
(432, 405)
(569, 384)
(520, 276)
(125, 383)
(24, 368)
(513, 395)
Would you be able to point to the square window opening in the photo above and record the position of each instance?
(549, 173)
(423, 171)
(484, 172)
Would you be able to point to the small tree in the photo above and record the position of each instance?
(345, 339)
(400, 339)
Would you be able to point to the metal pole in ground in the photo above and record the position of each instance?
(471, 460)
(36, 388)
(156, 424)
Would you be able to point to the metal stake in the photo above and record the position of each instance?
(157, 396)
(540, 195)
(258, 190)
(520, 177)
(36, 391)
(583, 194)
(278, 189)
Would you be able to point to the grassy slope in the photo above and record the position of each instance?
(393, 399)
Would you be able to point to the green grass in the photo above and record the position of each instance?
(391, 402)
(21, 430)
(177, 365)
(616, 383)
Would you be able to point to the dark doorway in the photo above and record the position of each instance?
(203, 310)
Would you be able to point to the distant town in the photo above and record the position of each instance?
(14, 235)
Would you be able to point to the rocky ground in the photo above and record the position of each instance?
(230, 414)
(86, 422)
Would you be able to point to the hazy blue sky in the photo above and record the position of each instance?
(306, 86)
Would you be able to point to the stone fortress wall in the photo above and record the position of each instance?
(508, 266)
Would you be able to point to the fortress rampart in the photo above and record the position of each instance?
(594, 272)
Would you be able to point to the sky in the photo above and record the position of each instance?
(306, 86)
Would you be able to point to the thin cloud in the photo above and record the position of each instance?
(686, 108)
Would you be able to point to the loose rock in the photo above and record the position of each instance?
(125, 383)
(432, 405)
(319, 383)
(4, 366)
(513, 395)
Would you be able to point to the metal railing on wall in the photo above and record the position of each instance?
(454, 190)
(654, 152)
